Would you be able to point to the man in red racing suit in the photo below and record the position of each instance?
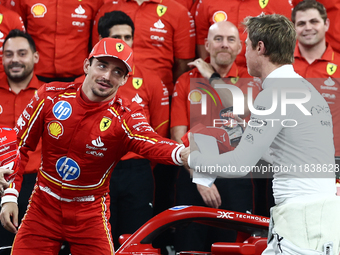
(85, 129)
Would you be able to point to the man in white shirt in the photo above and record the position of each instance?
(293, 120)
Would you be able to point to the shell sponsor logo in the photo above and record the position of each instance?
(220, 16)
(38, 10)
(1, 18)
(55, 129)
(195, 96)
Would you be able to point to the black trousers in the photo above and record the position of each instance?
(131, 192)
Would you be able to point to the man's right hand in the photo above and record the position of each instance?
(210, 196)
(9, 216)
(3, 183)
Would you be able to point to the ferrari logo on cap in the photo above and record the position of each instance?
(161, 9)
(219, 16)
(331, 68)
(137, 82)
(1, 18)
(119, 47)
(105, 123)
(263, 3)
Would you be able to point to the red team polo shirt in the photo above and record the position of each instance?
(9, 20)
(208, 12)
(11, 107)
(325, 76)
(61, 30)
(149, 91)
(186, 99)
(163, 30)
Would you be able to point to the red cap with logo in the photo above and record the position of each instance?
(116, 48)
(9, 155)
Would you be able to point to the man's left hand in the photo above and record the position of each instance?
(203, 67)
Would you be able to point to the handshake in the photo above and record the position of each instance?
(226, 136)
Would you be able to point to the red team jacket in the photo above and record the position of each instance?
(82, 141)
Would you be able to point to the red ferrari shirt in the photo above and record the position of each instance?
(61, 30)
(11, 107)
(208, 12)
(186, 100)
(163, 30)
(333, 12)
(9, 20)
(324, 74)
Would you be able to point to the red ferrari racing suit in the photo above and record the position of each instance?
(82, 142)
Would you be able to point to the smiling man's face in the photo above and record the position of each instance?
(310, 27)
(104, 76)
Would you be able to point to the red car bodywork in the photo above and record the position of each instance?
(251, 231)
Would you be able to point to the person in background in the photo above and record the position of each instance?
(62, 32)
(16, 90)
(164, 35)
(333, 12)
(209, 12)
(316, 60)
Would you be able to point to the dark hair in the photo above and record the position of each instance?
(111, 19)
(278, 35)
(18, 33)
(309, 4)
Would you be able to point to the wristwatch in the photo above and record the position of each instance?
(214, 76)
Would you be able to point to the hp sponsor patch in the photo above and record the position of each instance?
(67, 168)
(62, 110)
